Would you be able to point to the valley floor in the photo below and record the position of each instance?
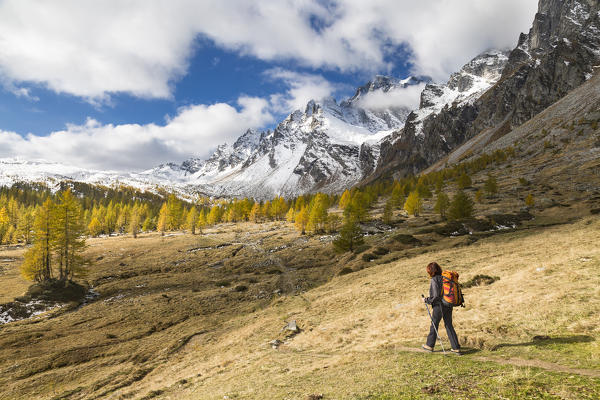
(192, 317)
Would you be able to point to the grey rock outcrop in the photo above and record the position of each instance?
(556, 56)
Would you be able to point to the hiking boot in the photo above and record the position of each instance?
(427, 348)
(456, 351)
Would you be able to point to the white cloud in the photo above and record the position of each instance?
(92, 48)
(194, 131)
(408, 97)
(301, 89)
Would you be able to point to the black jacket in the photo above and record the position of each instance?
(435, 291)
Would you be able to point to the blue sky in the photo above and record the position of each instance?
(213, 76)
(113, 85)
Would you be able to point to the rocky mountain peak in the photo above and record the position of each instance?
(487, 66)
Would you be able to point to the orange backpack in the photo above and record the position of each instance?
(451, 293)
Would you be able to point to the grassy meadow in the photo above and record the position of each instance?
(192, 316)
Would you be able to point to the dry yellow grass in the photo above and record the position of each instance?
(13, 284)
(548, 286)
(358, 330)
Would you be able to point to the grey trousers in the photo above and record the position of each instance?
(440, 311)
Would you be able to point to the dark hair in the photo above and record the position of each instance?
(434, 269)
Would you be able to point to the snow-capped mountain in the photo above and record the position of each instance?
(327, 146)
(464, 86)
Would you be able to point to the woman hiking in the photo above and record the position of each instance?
(440, 310)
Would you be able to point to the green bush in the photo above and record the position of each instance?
(524, 182)
(406, 239)
(361, 248)
(381, 251)
(480, 280)
(369, 257)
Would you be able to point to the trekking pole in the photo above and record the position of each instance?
(432, 324)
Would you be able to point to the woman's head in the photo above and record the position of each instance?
(433, 269)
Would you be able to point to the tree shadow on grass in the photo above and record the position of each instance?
(540, 341)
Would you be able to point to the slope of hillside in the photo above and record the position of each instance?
(560, 146)
(199, 323)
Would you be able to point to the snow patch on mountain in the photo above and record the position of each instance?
(463, 87)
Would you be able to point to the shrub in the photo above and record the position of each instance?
(529, 200)
(406, 239)
(369, 257)
(274, 271)
(361, 248)
(524, 182)
(480, 280)
(345, 271)
(452, 228)
(381, 251)
(223, 283)
(241, 288)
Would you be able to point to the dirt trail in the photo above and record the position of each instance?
(518, 362)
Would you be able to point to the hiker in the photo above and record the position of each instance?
(440, 310)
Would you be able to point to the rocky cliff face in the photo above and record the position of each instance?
(557, 55)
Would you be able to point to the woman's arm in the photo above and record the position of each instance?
(434, 292)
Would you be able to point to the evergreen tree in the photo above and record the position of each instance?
(68, 235)
(388, 212)
(214, 216)
(441, 204)
(479, 196)
(174, 213)
(491, 186)
(439, 183)
(149, 224)
(529, 200)
(318, 213)
(397, 197)
(192, 220)
(161, 225)
(4, 224)
(333, 222)
(345, 199)
(300, 202)
(462, 206)
(423, 188)
(464, 181)
(356, 208)
(122, 220)
(350, 236)
(37, 265)
(94, 227)
(134, 221)
(290, 216)
(302, 220)
(25, 225)
(414, 204)
(255, 213)
(202, 222)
